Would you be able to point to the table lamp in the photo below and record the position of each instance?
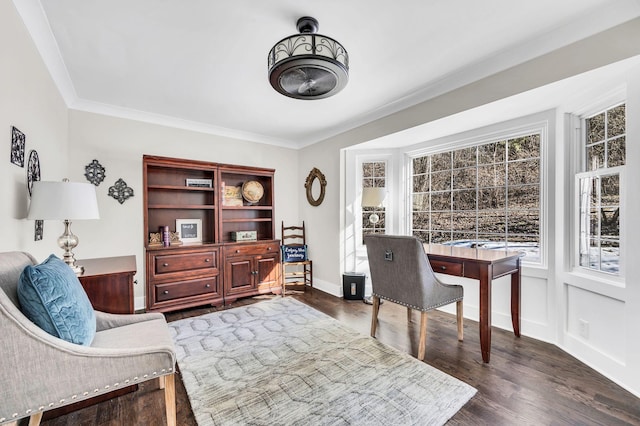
(373, 197)
(64, 201)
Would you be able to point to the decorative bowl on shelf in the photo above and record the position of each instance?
(252, 191)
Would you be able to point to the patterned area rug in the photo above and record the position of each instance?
(281, 362)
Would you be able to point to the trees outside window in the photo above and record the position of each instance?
(488, 195)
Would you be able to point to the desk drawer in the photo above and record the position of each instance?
(184, 262)
(445, 267)
(180, 289)
(252, 249)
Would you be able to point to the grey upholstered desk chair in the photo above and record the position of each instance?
(39, 372)
(401, 273)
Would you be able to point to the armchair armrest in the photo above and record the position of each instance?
(106, 321)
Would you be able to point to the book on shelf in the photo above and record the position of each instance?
(199, 183)
(231, 195)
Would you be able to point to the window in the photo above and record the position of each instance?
(487, 195)
(373, 217)
(599, 190)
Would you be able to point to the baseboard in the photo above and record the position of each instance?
(328, 287)
(138, 304)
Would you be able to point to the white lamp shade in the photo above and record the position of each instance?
(63, 201)
(373, 197)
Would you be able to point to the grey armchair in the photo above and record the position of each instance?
(39, 372)
(401, 273)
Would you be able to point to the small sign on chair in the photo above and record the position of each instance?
(294, 253)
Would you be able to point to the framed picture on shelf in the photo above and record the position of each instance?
(189, 230)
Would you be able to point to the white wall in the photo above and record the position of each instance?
(31, 102)
(68, 140)
(610, 308)
(119, 144)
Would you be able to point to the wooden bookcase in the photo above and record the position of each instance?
(192, 274)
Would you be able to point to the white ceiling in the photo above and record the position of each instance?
(202, 64)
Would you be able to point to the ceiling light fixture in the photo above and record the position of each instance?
(308, 65)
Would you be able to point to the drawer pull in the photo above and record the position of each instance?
(165, 292)
(165, 264)
(207, 285)
(269, 248)
(444, 268)
(238, 251)
(207, 260)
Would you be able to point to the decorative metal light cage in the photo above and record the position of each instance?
(308, 65)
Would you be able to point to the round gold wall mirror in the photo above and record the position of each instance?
(315, 185)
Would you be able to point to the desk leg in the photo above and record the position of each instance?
(486, 272)
(515, 300)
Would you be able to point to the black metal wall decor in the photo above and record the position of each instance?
(120, 191)
(39, 230)
(33, 170)
(94, 172)
(17, 146)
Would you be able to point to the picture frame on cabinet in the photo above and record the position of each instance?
(189, 230)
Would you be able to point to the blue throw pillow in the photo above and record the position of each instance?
(52, 297)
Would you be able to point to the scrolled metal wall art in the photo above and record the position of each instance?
(120, 191)
(95, 172)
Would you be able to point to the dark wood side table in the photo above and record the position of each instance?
(108, 282)
(483, 265)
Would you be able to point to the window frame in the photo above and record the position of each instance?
(504, 132)
(360, 159)
(581, 172)
(382, 209)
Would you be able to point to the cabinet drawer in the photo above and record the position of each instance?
(252, 249)
(184, 262)
(181, 289)
(449, 268)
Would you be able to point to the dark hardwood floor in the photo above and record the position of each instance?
(528, 382)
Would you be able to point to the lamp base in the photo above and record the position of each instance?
(68, 241)
(77, 269)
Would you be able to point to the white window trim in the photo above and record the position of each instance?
(608, 277)
(598, 278)
(538, 123)
(361, 250)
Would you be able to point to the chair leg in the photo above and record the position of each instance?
(282, 279)
(408, 314)
(170, 398)
(422, 345)
(460, 320)
(34, 419)
(374, 315)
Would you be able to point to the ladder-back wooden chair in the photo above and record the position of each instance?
(297, 269)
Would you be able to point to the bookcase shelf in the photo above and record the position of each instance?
(192, 274)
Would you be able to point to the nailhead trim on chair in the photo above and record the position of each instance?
(415, 307)
(30, 411)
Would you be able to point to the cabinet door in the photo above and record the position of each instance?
(239, 272)
(268, 272)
